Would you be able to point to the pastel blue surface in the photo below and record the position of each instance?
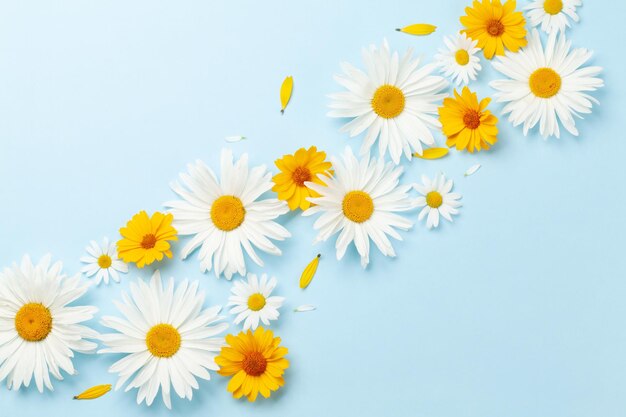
(515, 309)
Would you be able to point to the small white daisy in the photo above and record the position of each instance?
(252, 301)
(394, 101)
(168, 338)
(102, 261)
(361, 201)
(226, 217)
(437, 200)
(547, 85)
(39, 332)
(552, 15)
(460, 60)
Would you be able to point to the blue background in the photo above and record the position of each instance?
(515, 309)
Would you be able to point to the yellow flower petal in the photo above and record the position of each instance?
(93, 392)
(285, 93)
(309, 272)
(432, 153)
(418, 29)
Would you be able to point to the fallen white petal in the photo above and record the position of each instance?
(472, 170)
(232, 139)
(304, 307)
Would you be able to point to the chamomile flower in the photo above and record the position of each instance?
(253, 302)
(226, 217)
(552, 15)
(547, 86)
(360, 203)
(102, 262)
(437, 200)
(39, 332)
(459, 59)
(168, 338)
(393, 101)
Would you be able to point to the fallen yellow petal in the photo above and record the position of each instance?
(93, 392)
(285, 92)
(432, 153)
(418, 29)
(309, 272)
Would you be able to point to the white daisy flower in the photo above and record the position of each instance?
(39, 332)
(252, 301)
(102, 261)
(437, 200)
(360, 201)
(552, 15)
(546, 85)
(394, 101)
(224, 216)
(168, 339)
(460, 60)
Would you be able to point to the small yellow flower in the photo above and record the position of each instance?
(467, 123)
(296, 169)
(255, 361)
(495, 26)
(146, 239)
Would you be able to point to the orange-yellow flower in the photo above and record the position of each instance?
(495, 26)
(145, 239)
(296, 170)
(467, 123)
(255, 361)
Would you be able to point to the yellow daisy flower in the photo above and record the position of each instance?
(296, 170)
(146, 239)
(256, 362)
(495, 26)
(467, 123)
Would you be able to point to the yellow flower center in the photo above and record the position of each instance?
(254, 363)
(148, 241)
(471, 119)
(388, 101)
(545, 82)
(105, 261)
(462, 57)
(163, 340)
(495, 28)
(256, 302)
(301, 175)
(358, 206)
(434, 199)
(33, 322)
(553, 6)
(227, 213)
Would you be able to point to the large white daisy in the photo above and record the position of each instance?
(361, 201)
(393, 100)
(546, 85)
(102, 262)
(224, 216)
(552, 15)
(253, 301)
(168, 338)
(39, 332)
(436, 200)
(460, 58)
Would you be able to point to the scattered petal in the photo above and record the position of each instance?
(432, 153)
(309, 272)
(472, 170)
(418, 29)
(93, 392)
(304, 307)
(232, 139)
(285, 93)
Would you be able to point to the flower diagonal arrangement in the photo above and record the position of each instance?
(167, 337)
